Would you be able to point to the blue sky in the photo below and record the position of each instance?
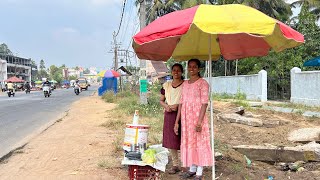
(71, 32)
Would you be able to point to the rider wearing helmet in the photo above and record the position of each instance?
(10, 86)
(47, 83)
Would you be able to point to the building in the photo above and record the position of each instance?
(19, 67)
(3, 70)
(68, 72)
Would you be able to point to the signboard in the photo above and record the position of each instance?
(143, 85)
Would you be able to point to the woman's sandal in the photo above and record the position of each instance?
(174, 170)
(198, 178)
(188, 174)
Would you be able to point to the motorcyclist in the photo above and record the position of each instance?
(78, 84)
(27, 86)
(47, 83)
(10, 86)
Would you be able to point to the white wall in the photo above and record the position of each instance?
(305, 87)
(254, 86)
(3, 70)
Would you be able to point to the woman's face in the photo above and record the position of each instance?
(193, 68)
(176, 72)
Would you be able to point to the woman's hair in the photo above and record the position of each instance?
(180, 66)
(197, 61)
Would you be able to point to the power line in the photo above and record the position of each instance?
(124, 5)
(127, 19)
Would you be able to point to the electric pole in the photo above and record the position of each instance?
(115, 51)
(143, 68)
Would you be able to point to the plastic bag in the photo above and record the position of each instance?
(149, 156)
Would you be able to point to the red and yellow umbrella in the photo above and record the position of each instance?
(207, 32)
(237, 31)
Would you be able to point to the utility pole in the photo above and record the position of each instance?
(143, 63)
(115, 51)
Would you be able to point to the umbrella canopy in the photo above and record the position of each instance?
(312, 62)
(207, 32)
(109, 73)
(237, 31)
(14, 79)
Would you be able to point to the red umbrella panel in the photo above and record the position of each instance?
(14, 79)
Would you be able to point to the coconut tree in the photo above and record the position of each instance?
(278, 9)
(313, 5)
(158, 8)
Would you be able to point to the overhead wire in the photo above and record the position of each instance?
(124, 32)
(136, 29)
(123, 7)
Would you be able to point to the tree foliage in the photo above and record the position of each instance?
(42, 73)
(4, 49)
(56, 73)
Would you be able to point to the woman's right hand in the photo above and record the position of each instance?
(168, 109)
(176, 129)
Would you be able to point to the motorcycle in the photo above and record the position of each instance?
(28, 90)
(11, 92)
(46, 91)
(76, 89)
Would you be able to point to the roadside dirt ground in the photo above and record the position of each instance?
(72, 148)
(78, 147)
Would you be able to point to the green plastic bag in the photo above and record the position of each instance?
(149, 156)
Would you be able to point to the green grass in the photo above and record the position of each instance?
(109, 97)
(114, 124)
(237, 96)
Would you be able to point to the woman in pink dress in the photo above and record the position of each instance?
(195, 137)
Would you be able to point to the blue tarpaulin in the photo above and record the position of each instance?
(65, 82)
(108, 84)
(312, 62)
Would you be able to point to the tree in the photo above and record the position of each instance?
(312, 5)
(278, 9)
(56, 73)
(86, 71)
(42, 65)
(4, 49)
(42, 73)
(158, 8)
(73, 78)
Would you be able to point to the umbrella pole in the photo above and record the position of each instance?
(211, 108)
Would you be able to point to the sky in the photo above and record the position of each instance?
(71, 32)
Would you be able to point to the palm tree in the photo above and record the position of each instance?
(313, 5)
(278, 9)
(158, 8)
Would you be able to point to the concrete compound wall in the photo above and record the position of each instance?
(254, 86)
(305, 87)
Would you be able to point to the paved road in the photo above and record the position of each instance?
(24, 114)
